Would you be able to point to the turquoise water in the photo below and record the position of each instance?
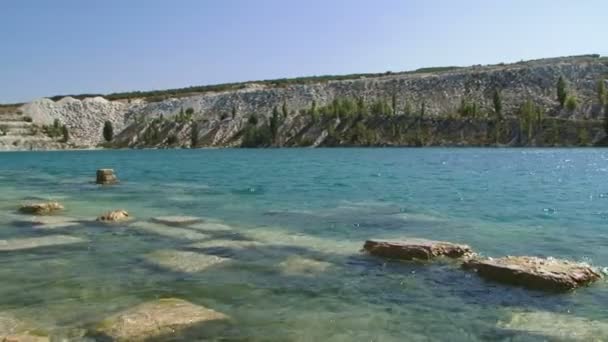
(311, 207)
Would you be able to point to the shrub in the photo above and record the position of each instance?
(27, 119)
(257, 136)
(108, 131)
(172, 140)
(497, 101)
(601, 91)
(65, 133)
(562, 93)
(253, 120)
(571, 103)
(194, 135)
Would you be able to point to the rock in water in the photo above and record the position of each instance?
(416, 249)
(37, 242)
(106, 177)
(536, 273)
(157, 319)
(555, 326)
(41, 208)
(177, 220)
(114, 216)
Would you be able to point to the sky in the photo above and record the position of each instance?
(78, 46)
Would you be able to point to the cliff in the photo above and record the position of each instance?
(513, 104)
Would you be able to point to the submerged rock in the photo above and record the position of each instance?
(297, 265)
(183, 261)
(15, 330)
(556, 326)
(156, 319)
(177, 220)
(36, 242)
(49, 222)
(114, 216)
(106, 177)
(421, 249)
(536, 273)
(41, 208)
(226, 243)
(172, 232)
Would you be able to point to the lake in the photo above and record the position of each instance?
(290, 224)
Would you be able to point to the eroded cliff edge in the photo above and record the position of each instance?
(446, 107)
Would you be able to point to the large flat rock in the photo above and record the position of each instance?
(36, 242)
(172, 232)
(183, 261)
(533, 272)
(556, 326)
(156, 319)
(421, 249)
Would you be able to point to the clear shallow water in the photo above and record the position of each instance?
(318, 204)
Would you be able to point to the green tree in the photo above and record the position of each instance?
(172, 140)
(194, 135)
(274, 124)
(65, 133)
(284, 110)
(394, 103)
(190, 111)
(497, 100)
(108, 131)
(314, 113)
(606, 117)
(253, 120)
(571, 103)
(233, 112)
(601, 91)
(562, 93)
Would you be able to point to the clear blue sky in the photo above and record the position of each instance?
(80, 46)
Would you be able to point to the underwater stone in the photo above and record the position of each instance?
(156, 319)
(422, 249)
(114, 216)
(556, 326)
(41, 208)
(177, 220)
(297, 265)
(15, 330)
(35, 242)
(172, 232)
(106, 177)
(183, 261)
(534, 272)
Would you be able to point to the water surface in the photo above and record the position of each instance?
(316, 205)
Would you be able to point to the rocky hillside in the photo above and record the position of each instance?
(515, 104)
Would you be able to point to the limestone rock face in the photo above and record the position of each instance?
(155, 319)
(41, 208)
(106, 177)
(114, 216)
(537, 273)
(421, 249)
